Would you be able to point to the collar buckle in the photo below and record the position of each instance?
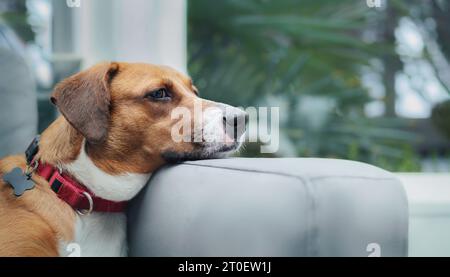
(32, 149)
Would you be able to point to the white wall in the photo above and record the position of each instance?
(429, 213)
(151, 31)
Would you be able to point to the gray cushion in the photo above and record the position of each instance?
(269, 207)
(18, 105)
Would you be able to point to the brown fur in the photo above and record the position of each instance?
(84, 100)
(32, 224)
(124, 132)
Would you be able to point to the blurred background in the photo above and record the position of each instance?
(354, 79)
(365, 80)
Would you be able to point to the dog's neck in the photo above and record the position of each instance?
(61, 145)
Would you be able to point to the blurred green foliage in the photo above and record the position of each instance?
(441, 117)
(306, 57)
(14, 14)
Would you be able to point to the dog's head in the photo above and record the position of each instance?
(139, 116)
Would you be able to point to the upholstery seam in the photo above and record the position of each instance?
(291, 175)
(248, 170)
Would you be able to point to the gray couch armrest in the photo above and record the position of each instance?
(18, 104)
(270, 207)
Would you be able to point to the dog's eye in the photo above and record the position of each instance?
(161, 95)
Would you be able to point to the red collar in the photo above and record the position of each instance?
(79, 197)
(75, 194)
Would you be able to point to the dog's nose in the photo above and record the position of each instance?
(235, 116)
(235, 119)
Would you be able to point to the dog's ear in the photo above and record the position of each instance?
(84, 100)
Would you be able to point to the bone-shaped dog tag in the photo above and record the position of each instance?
(18, 181)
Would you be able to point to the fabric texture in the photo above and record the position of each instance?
(270, 207)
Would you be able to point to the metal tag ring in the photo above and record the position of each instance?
(91, 205)
(32, 168)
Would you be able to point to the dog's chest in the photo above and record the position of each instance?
(97, 235)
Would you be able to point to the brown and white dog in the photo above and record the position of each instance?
(115, 130)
